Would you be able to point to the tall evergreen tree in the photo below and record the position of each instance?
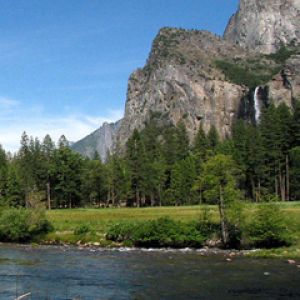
(14, 194)
(182, 181)
(137, 163)
(254, 161)
(25, 167)
(295, 126)
(94, 182)
(68, 170)
(213, 139)
(285, 122)
(118, 180)
(295, 173)
(200, 148)
(48, 148)
(182, 141)
(3, 174)
(271, 140)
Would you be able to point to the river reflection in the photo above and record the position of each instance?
(70, 273)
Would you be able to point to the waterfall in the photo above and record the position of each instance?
(256, 105)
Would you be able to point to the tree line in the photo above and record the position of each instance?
(160, 166)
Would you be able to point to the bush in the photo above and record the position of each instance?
(269, 228)
(121, 231)
(235, 236)
(163, 232)
(282, 55)
(22, 225)
(82, 229)
(243, 74)
(206, 226)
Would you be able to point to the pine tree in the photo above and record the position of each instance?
(295, 126)
(182, 141)
(155, 163)
(213, 139)
(285, 123)
(118, 180)
(295, 173)
(254, 162)
(200, 148)
(94, 181)
(271, 140)
(169, 150)
(156, 176)
(47, 150)
(3, 174)
(14, 193)
(25, 167)
(67, 175)
(182, 181)
(239, 136)
(137, 162)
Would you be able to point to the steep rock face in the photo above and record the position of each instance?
(101, 141)
(265, 25)
(181, 83)
(285, 86)
(199, 78)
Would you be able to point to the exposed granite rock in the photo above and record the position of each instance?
(285, 86)
(180, 82)
(265, 25)
(101, 140)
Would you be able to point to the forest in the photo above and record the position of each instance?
(161, 167)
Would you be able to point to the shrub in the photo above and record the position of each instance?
(235, 236)
(163, 232)
(269, 228)
(241, 74)
(282, 54)
(206, 226)
(120, 232)
(82, 229)
(22, 225)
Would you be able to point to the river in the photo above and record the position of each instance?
(72, 273)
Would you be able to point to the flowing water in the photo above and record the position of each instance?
(257, 104)
(71, 273)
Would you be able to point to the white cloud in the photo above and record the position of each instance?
(8, 103)
(74, 127)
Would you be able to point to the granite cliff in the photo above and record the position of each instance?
(285, 86)
(101, 141)
(200, 78)
(180, 82)
(265, 25)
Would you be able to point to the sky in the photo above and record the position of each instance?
(65, 64)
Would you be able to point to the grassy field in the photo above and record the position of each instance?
(98, 220)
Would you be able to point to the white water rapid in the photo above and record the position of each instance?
(256, 105)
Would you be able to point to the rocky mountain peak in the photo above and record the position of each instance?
(181, 82)
(199, 78)
(265, 25)
(101, 141)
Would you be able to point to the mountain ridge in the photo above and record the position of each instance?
(100, 141)
(197, 77)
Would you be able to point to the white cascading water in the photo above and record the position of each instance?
(256, 105)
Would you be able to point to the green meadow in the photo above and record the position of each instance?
(88, 226)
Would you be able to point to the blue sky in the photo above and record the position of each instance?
(64, 64)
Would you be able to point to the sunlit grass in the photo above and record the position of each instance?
(66, 221)
(100, 218)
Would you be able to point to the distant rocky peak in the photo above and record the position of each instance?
(265, 25)
(101, 141)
